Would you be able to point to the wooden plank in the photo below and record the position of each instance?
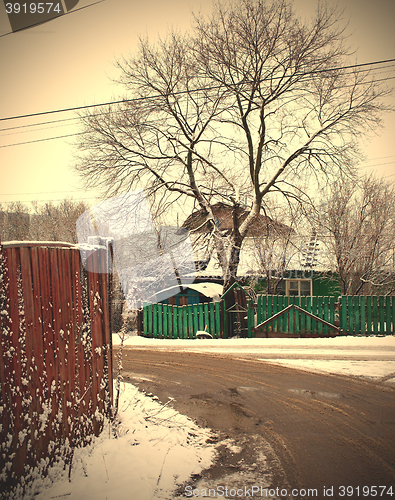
(332, 310)
(264, 315)
(350, 314)
(343, 314)
(27, 337)
(185, 322)
(160, 320)
(362, 305)
(314, 313)
(269, 306)
(326, 314)
(286, 316)
(250, 318)
(175, 321)
(280, 321)
(357, 323)
(217, 319)
(275, 310)
(41, 446)
(165, 321)
(145, 319)
(190, 321)
(96, 339)
(393, 315)
(381, 314)
(12, 365)
(195, 320)
(212, 328)
(375, 314)
(201, 316)
(369, 314)
(206, 317)
(82, 383)
(388, 325)
(70, 334)
(308, 318)
(297, 315)
(320, 313)
(259, 309)
(107, 334)
(302, 318)
(170, 332)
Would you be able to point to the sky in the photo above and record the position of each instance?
(69, 62)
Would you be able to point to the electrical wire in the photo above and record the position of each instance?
(41, 140)
(137, 99)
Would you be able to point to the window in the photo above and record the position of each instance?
(298, 287)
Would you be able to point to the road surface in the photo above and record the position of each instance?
(303, 434)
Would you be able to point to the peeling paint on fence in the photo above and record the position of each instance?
(55, 374)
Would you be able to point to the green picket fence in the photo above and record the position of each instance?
(367, 315)
(181, 322)
(348, 315)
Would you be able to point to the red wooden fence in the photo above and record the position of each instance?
(55, 374)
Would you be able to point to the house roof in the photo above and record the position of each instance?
(223, 214)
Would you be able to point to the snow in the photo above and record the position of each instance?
(372, 357)
(157, 449)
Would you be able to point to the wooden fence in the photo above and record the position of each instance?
(281, 316)
(367, 315)
(167, 321)
(55, 375)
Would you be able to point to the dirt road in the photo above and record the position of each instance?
(304, 434)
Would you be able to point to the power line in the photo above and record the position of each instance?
(107, 112)
(136, 99)
(38, 124)
(40, 192)
(41, 140)
(80, 133)
(44, 201)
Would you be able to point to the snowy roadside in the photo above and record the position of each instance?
(156, 450)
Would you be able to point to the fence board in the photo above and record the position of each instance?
(368, 315)
(388, 315)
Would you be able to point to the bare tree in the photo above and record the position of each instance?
(14, 222)
(42, 222)
(56, 222)
(251, 103)
(359, 219)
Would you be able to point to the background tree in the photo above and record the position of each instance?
(14, 222)
(41, 222)
(359, 222)
(251, 103)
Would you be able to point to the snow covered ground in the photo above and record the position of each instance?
(157, 449)
(371, 357)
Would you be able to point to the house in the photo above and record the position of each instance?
(273, 256)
